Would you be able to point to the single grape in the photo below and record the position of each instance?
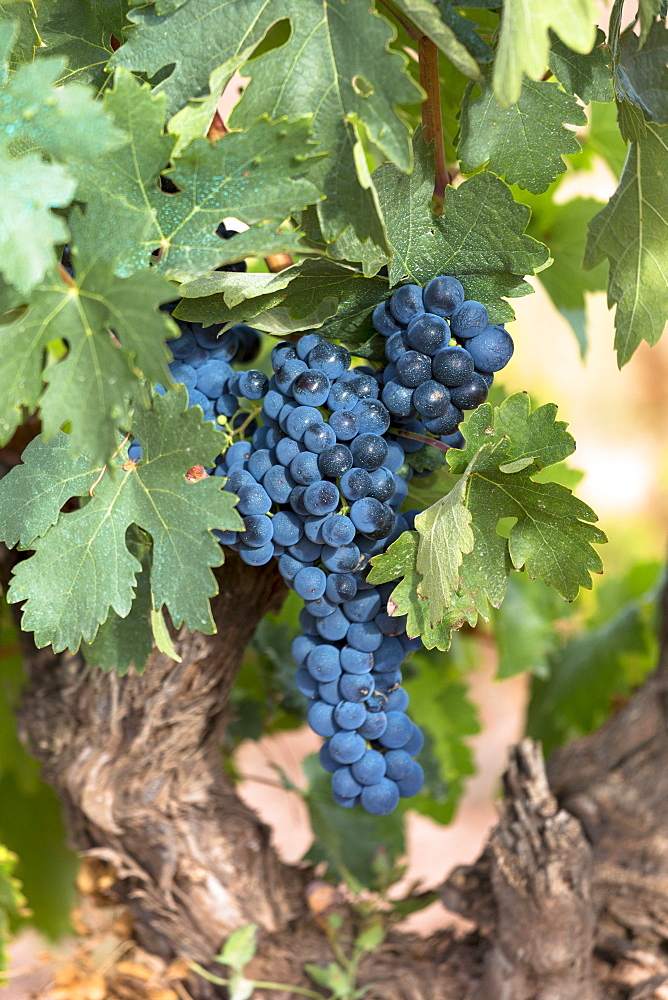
(309, 583)
(395, 346)
(371, 517)
(469, 395)
(415, 743)
(253, 500)
(452, 366)
(354, 661)
(321, 498)
(301, 647)
(299, 419)
(369, 451)
(320, 607)
(344, 424)
(334, 627)
(340, 587)
(407, 303)
(355, 484)
(469, 319)
(278, 483)
(380, 799)
(364, 384)
(373, 417)
(346, 746)
(324, 663)
(355, 687)
(288, 567)
(341, 397)
(318, 437)
(383, 321)
(335, 460)
(253, 384)
(442, 295)
(382, 484)
(398, 700)
(257, 530)
(287, 373)
(349, 714)
(256, 556)
(326, 759)
(413, 368)
(306, 550)
(211, 378)
(365, 636)
(259, 463)
(321, 718)
(428, 334)
(281, 353)
(306, 343)
(398, 399)
(370, 768)
(345, 559)
(331, 359)
(337, 530)
(304, 468)
(286, 449)
(311, 388)
(364, 606)
(398, 764)
(492, 349)
(305, 684)
(399, 731)
(344, 785)
(413, 783)
(447, 423)
(329, 692)
(431, 399)
(373, 726)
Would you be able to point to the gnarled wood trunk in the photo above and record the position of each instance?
(569, 899)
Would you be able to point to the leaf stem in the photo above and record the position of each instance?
(258, 984)
(408, 27)
(432, 120)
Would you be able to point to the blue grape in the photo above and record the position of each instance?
(469, 319)
(344, 424)
(428, 334)
(253, 500)
(380, 799)
(373, 417)
(309, 583)
(304, 468)
(398, 399)
(326, 760)
(346, 746)
(369, 451)
(492, 349)
(320, 607)
(253, 384)
(321, 718)
(413, 783)
(301, 647)
(397, 701)
(329, 692)
(287, 528)
(341, 397)
(305, 549)
(324, 663)
(344, 559)
(334, 627)
(383, 320)
(365, 636)
(355, 687)
(321, 498)
(383, 486)
(431, 399)
(373, 726)
(395, 346)
(399, 731)
(413, 368)
(355, 484)
(259, 463)
(256, 556)
(281, 353)
(340, 587)
(364, 606)
(453, 366)
(288, 372)
(335, 460)
(306, 343)
(337, 530)
(344, 784)
(286, 449)
(447, 423)
(349, 714)
(311, 388)
(185, 375)
(257, 530)
(406, 303)
(318, 437)
(288, 567)
(354, 661)
(398, 764)
(299, 419)
(278, 483)
(469, 395)
(415, 743)
(442, 295)
(330, 359)
(370, 768)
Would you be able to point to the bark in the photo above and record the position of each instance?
(569, 900)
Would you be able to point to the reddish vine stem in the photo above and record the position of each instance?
(431, 115)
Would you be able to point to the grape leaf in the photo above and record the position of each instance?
(92, 384)
(465, 30)
(641, 73)
(257, 176)
(648, 11)
(564, 226)
(18, 35)
(355, 88)
(587, 75)
(526, 626)
(604, 137)
(631, 233)
(524, 39)
(445, 537)
(479, 238)
(124, 642)
(82, 568)
(28, 227)
(361, 85)
(441, 706)
(79, 31)
(65, 122)
(425, 16)
(524, 141)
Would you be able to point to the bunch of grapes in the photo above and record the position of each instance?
(321, 481)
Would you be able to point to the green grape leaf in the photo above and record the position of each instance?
(631, 233)
(79, 31)
(121, 187)
(18, 35)
(456, 564)
(12, 900)
(445, 537)
(648, 11)
(442, 708)
(239, 948)
(641, 72)
(604, 137)
(65, 122)
(91, 386)
(257, 176)
(201, 35)
(399, 563)
(565, 227)
(82, 568)
(587, 75)
(465, 30)
(526, 140)
(526, 626)
(524, 39)
(28, 227)
(347, 839)
(362, 86)
(121, 643)
(425, 16)
(479, 238)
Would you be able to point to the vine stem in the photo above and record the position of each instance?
(412, 436)
(432, 120)
(302, 991)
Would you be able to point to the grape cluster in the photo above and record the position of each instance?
(429, 381)
(318, 489)
(321, 480)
